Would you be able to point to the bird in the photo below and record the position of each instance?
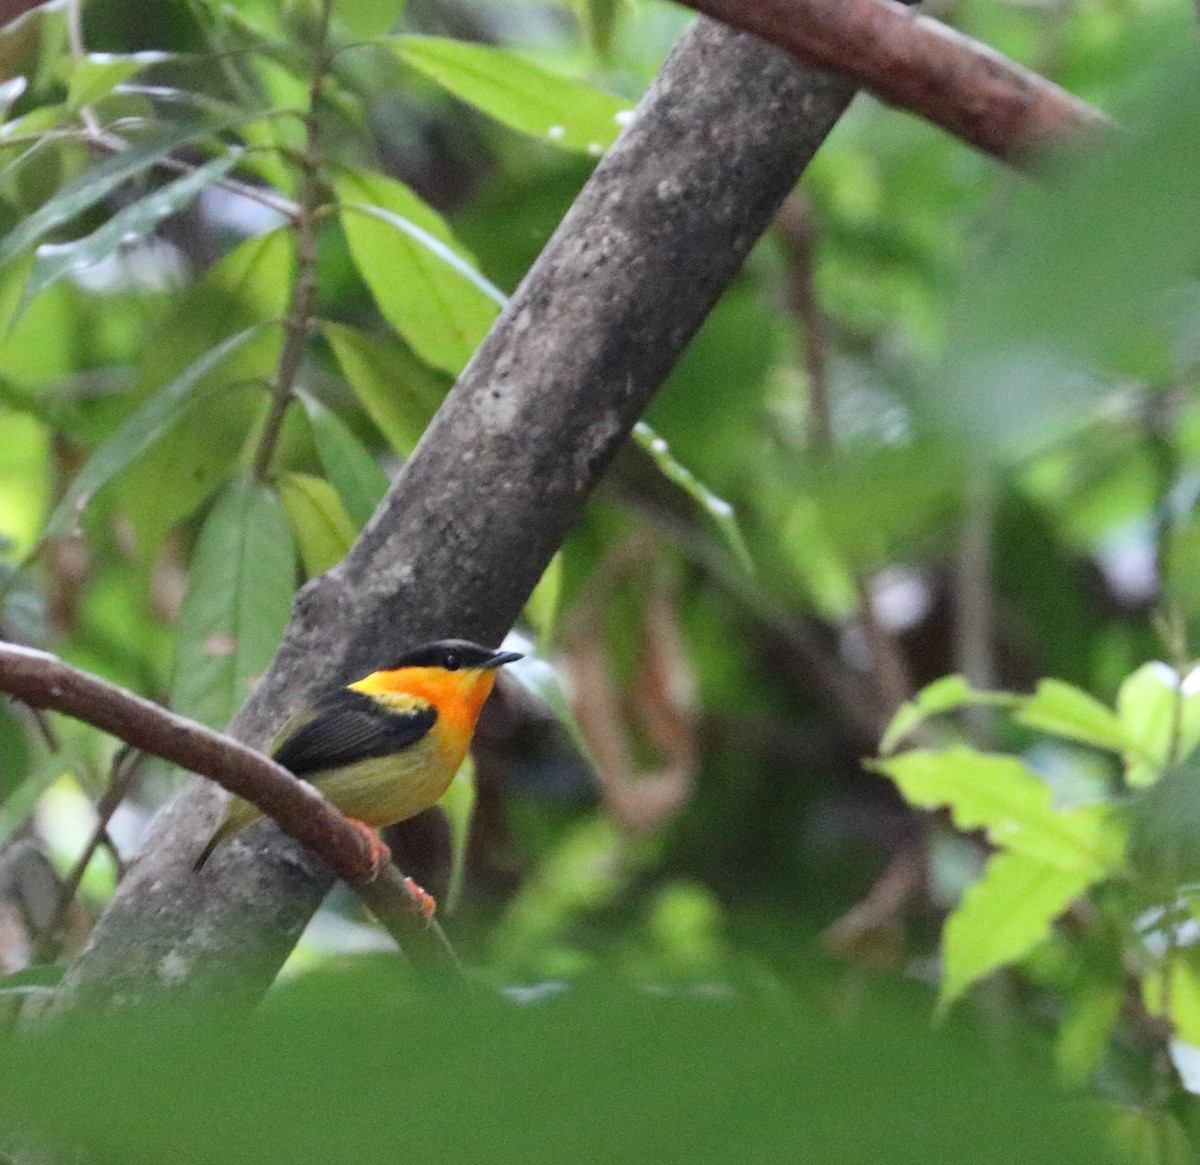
(385, 747)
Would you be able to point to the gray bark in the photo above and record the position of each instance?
(503, 470)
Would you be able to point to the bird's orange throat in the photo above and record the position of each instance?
(458, 696)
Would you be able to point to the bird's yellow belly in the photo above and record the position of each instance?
(384, 790)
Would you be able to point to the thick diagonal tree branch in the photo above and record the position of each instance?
(502, 472)
(919, 64)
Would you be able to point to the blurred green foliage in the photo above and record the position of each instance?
(352, 1066)
(983, 545)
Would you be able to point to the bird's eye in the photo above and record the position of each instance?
(450, 661)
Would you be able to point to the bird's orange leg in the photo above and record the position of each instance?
(424, 902)
(378, 850)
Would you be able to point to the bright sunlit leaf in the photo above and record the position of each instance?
(1004, 915)
(1001, 795)
(1160, 714)
(1065, 710)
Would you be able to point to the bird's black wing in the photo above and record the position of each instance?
(347, 726)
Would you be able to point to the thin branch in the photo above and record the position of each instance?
(794, 224)
(304, 292)
(42, 680)
(919, 64)
(395, 909)
(124, 768)
(112, 143)
(78, 52)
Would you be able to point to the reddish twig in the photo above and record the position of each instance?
(640, 801)
(42, 680)
(919, 64)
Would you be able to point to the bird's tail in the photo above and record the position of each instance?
(207, 851)
(238, 815)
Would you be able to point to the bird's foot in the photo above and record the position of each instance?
(376, 847)
(424, 902)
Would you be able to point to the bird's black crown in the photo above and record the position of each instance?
(454, 655)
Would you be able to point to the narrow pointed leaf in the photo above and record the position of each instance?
(138, 432)
(88, 188)
(348, 465)
(557, 110)
(239, 597)
(717, 509)
(96, 75)
(399, 393)
(54, 261)
(323, 529)
(424, 282)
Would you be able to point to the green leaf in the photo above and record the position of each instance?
(947, 694)
(1160, 716)
(399, 393)
(22, 801)
(599, 19)
(351, 469)
(1093, 1010)
(1004, 915)
(718, 509)
(238, 600)
(543, 605)
(458, 804)
(554, 109)
(95, 183)
(138, 432)
(603, 1073)
(55, 261)
(1164, 831)
(1065, 710)
(1175, 990)
(369, 18)
(425, 284)
(322, 527)
(96, 75)
(1023, 366)
(1003, 796)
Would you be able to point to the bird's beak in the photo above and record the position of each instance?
(500, 658)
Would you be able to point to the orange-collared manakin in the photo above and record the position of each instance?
(385, 747)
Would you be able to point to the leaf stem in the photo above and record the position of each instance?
(299, 319)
